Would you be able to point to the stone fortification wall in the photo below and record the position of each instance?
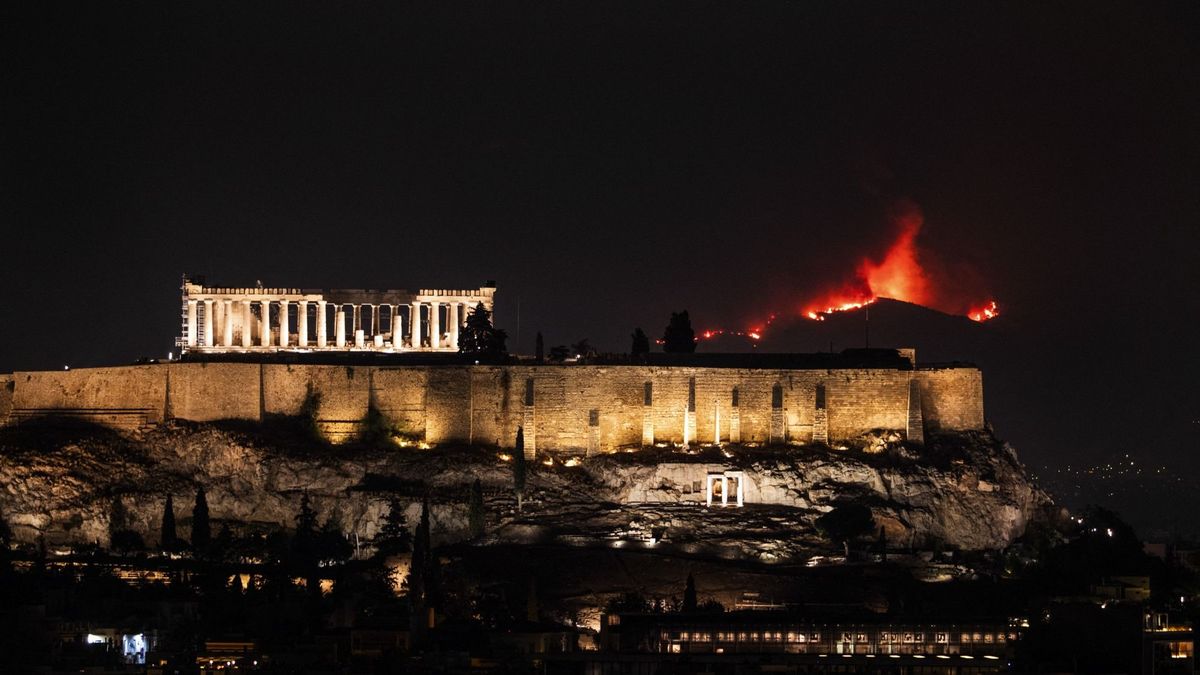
(574, 407)
(6, 395)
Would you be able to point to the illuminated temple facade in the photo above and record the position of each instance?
(228, 319)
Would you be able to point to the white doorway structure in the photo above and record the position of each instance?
(725, 488)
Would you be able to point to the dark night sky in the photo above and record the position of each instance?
(608, 163)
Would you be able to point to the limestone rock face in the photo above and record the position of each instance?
(965, 491)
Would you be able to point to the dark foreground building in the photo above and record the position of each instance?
(781, 641)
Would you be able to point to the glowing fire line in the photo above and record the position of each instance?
(898, 275)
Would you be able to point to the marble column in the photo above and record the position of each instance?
(339, 328)
(435, 325)
(218, 320)
(415, 324)
(322, 328)
(227, 323)
(208, 323)
(264, 324)
(375, 320)
(191, 322)
(302, 324)
(284, 336)
(247, 324)
(397, 328)
(452, 319)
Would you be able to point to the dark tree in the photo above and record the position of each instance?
(689, 594)
(306, 530)
(223, 544)
(118, 518)
(201, 534)
(539, 349)
(846, 523)
(560, 353)
(475, 513)
(583, 349)
(678, 337)
(167, 536)
(127, 540)
(479, 336)
(393, 537)
(332, 543)
(641, 343)
(419, 575)
(519, 467)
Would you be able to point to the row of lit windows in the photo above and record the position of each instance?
(751, 636)
(885, 637)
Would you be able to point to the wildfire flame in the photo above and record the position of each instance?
(988, 311)
(898, 275)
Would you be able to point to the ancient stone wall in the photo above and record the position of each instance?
(6, 396)
(951, 398)
(571, 407)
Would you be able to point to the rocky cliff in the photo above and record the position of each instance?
(965, 491)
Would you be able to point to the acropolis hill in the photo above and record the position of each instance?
(792, 433)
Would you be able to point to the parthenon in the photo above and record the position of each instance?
(257, 319)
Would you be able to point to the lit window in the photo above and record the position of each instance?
(942, 638)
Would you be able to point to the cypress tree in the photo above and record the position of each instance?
(201, 534)
(678, 337)
(419, 576)
(475, 512)
(689, 594)
(640, 343)
(393, 536)
(167, 537)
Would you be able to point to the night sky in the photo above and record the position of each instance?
(609, 163)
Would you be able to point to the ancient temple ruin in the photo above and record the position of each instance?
(257, 319)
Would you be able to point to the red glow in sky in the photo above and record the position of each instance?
(898, 274)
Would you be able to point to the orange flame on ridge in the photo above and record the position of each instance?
(898, 275)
